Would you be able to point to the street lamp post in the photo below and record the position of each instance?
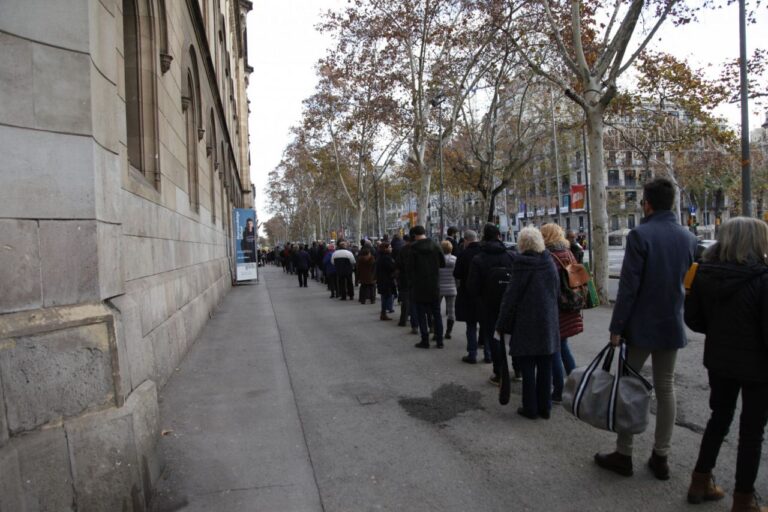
(437, 102)
(557, 163)
(746, 167)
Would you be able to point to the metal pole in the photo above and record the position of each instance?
(440, 150)
(746, 186)
(586, 184)
(557, 163)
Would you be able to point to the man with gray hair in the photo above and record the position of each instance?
(466, 307)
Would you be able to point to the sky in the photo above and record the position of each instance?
(283, 48)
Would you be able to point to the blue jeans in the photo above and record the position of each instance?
(537, 383)
(472, 339)
(562, 366)
(424, 309)
(387, 302)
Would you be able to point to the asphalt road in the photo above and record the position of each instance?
(351, 417)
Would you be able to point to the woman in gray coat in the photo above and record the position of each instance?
(529, 316)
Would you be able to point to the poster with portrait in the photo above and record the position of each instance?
(246, 241)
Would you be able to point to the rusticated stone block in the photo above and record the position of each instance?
(142, 404)
(104, 463)
(45, 472)
(55, 374)
(70, 262)
(19, 266)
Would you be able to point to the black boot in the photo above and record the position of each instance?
(449, 329)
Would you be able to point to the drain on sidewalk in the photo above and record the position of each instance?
(446, 402)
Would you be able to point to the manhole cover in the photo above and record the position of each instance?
(446, 402)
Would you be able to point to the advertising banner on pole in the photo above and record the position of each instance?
(578, 197)
(246, 238)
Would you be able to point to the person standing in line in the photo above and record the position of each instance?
(486, 272)
(366, 275)
(404, 286)
(329, 270)
(576, 249)
(448, 286)
(385, 279)
(571, 322)
(344, 261)
(728, 302)
(648, 315)
(528, 314)
(452, 239)
(301, 262)
(425, 259)
(466, 306)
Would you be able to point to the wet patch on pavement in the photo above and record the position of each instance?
(446, 402)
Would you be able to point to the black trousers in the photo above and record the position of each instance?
(302, 273)
(345, 287)
(724, 393)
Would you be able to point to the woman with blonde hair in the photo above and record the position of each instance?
(528, 314)
(570, 322)
(728, 302)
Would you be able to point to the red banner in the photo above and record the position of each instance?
(578, 197)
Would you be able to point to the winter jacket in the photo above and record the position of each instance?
(729, 303)
(425, 259)
(385, 274)
(492, 254)
(466, 307)
(301, 260)
(571, 322)
(328, 266)
(366, 269)
(447, 281)
(344, 261)
(529, 308)
(649, 305)
(402, 268)
(578, 251)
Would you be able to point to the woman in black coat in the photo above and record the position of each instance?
(529, 315)
(385, 280)
(728, 302)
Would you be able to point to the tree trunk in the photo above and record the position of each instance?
(598, 207)
(491, 207)
(423, 207)
(359, 224)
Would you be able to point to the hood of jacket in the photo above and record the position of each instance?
(493, 247)
(531, 260)
(724, 279)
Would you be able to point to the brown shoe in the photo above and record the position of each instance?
(659, 466)
(746, 502)
(384, 317)
(616, 462)
(703, 488)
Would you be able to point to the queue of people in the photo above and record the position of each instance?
(519, 304)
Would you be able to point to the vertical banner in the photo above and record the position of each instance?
(246, 238)
(578, 197)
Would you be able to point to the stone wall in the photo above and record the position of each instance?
(106, 277)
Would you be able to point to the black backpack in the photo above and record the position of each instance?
(495, 285)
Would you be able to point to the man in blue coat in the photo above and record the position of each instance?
(648, 315)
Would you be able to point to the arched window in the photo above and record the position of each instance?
(188, 105)
(211, 150)
(140, 89)
(222, 179)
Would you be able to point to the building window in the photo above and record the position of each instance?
(189, 108)
(631, 221)
(613, 178)
(578, 178)
(614, 223)
(630, 179)
(140, 103)
(581, 223)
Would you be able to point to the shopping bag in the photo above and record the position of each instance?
(607, 396)
(593, 299)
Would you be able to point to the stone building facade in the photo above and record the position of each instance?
(124, 145)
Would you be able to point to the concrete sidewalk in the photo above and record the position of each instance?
(233, 439)
(290, 401)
